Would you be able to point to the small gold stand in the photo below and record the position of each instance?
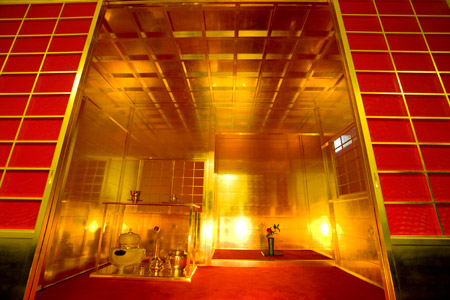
(275, 253)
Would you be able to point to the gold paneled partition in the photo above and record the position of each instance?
(259, 183)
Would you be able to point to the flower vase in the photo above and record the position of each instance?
(271, 242)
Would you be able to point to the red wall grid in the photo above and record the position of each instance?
(401, 54)
(40, 50)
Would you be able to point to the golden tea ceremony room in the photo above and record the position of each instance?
(224, 149)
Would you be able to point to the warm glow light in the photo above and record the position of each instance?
(230, 179)
(324, 228)
(338, 229)
(208, 230)
(321, 231)
(241, 228)
(124, 227)
(93, 226)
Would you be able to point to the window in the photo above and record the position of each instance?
(349, 163)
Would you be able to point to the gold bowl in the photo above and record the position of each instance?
(178, 259)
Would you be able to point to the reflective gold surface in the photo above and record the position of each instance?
(94, 176)
(357, 237)
(319, 223)
(74, 243)
(189, 72)
(352, 210)
(261, 68)
(258, 186)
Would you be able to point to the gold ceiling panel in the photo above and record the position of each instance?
(152, 21)
(259, 67)
(322, 20)
(118, 22)
(186, 18)
(162, 46)
(290, 18)
(254, 18)
(132, 47)
(153, 83)
(192, 46)
(106, 48)
(220, 19)
(310, 46)
(196, 68)
(143, 67)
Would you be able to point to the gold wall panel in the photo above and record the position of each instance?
(258, 186)
(319, 223)
(94, 176)
(357, 238)
(74, 243)
(355, 231)
(178, 181)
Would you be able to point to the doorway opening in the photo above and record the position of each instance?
(257, 92)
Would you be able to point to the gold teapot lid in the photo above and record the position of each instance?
(177, 252)
(129, 239)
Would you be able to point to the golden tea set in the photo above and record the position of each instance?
(129, 257)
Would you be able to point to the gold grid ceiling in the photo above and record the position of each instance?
(249, 68)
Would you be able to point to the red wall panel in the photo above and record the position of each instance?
(18, 214)
(36, 80)
(401, 54)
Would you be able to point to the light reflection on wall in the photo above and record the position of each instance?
(241, 228)
(229, 179)
(260, 181)
(235, 228)
(321, 231)
(92, 227)
(208, 231)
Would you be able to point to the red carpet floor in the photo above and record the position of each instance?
(256, 255)
(218, 283)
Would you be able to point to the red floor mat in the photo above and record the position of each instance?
(218, 283)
